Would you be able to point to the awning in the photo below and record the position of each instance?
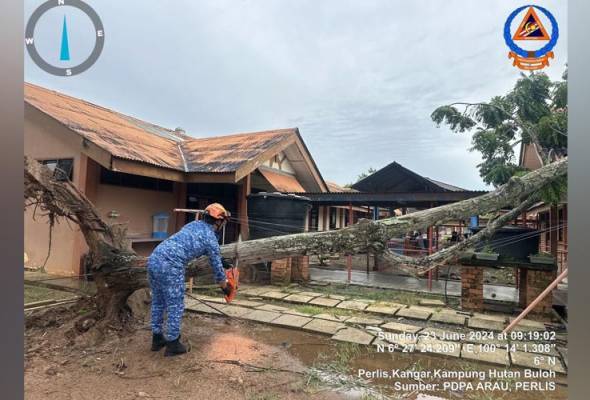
(282, 182)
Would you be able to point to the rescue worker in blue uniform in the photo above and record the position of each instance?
(166, 267)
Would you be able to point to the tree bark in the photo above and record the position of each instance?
(372, 235)
(109, 259)
(118, 271)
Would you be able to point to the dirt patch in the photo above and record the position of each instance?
(226, 361)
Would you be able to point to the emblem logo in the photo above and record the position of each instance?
(64, 48)
(531, 31)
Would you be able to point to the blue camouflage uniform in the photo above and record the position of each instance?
(166, 272)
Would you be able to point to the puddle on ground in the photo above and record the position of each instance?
(240, 339)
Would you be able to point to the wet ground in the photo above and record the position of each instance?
(227, 361)
(234, 359)
(316, 351)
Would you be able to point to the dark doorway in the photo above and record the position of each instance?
(199, 195)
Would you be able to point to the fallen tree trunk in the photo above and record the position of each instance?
(372, 235)
(118, 271)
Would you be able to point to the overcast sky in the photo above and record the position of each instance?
(359, 78)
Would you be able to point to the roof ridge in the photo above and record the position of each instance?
(439, 183)
(110, 110)
(284, 130)
(181, 151)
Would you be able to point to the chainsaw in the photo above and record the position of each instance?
(232, 274)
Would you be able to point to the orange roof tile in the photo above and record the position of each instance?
(228, 153)
(119, 134)
(133, 139)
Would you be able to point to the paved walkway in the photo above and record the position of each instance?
(391, 281)
(390, 326)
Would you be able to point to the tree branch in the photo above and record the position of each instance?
(420, 266)
(523, 125)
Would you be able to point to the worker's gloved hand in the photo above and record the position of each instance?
(226, 264)
(226, 288)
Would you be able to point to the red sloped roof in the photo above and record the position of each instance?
(133, 139)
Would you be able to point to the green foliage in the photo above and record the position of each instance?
(554, 192)
(362, 176)
(456, 120)
(536, 107)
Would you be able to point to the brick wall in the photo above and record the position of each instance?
(280, 272)
(471, 288)
(532, 283)
(300, 269)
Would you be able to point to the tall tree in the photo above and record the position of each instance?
(533, 112)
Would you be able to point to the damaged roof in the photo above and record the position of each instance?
(129, 138)
(229, 153)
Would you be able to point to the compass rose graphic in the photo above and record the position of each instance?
(65, 56)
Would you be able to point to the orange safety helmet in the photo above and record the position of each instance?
(217, 211)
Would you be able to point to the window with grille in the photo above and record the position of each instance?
(62, 168)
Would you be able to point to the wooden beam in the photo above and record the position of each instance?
(311, 166)
(98, 154)
(143, 169)
(245, 187)
(180, 189)
(202, 177)
(251, 165)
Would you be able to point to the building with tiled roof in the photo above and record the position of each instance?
(133, 170)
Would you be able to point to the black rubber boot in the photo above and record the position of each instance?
(174, 348)
(158, 341)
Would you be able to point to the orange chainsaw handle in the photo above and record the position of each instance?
(233, 277)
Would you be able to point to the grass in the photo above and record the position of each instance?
(334, 370)
(309, 310)
(314, 310)
(341, 359)
(380, 295)
(345, 353)
(35, 293)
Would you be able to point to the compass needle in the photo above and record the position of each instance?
(65, 47)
